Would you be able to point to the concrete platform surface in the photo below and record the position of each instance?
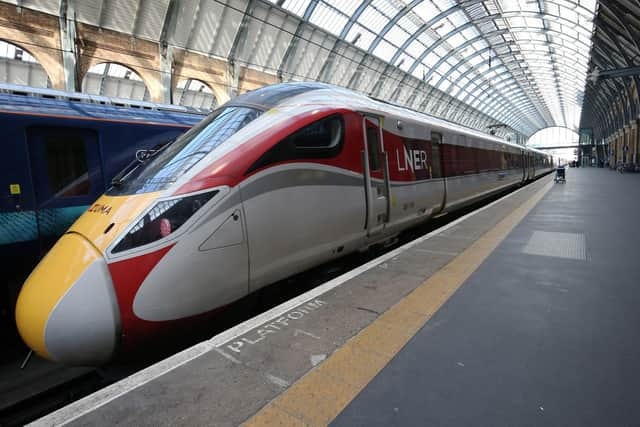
(272, 368)
(545, 332)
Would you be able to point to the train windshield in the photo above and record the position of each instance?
(167, 164)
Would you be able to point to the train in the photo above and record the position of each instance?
(272, 183)
(60, 152)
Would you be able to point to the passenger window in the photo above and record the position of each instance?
(373, 146)
(66, 164)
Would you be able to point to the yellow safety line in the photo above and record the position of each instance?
(318, 397)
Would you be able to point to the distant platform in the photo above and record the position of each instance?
(524, 312)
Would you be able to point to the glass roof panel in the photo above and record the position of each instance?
(373, 20)
(443, 27)
(415, 48)
(328, 18)
(348, 7)
(397, 36)
(409, 23)
(444, 85)
(456, 40)
(360, 37)
(386, 7)
(431, 60)
(404, 62)
(470, 33)
(428, 38)
(426, 10)
(440, 50)
(296, 6)
(458, 19)
(529, 55)
(385, 51)
(444, 68)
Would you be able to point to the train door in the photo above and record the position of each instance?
(438, 170)
(532, 165)
(376, 176)
(66, 173)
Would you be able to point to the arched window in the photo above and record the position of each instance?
(19, 67)
(111, 79)
(194, 93)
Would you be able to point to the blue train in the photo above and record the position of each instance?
(61, 150)
(59, 153)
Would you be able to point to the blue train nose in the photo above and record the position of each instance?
(67, 309)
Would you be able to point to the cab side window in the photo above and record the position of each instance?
(319, 140)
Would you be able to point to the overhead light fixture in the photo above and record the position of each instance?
(356, 38)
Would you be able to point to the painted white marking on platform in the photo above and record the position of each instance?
(277, 381)
(301, 332)
(102, 397)
(283, 322)
(227, 356)
(431, 251)
(317, 358)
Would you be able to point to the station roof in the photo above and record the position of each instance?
(531, 56)
(482, 63)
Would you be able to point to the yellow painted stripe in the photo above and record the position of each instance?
(119, 210)
(318, 397)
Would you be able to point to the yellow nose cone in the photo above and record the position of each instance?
(47, 284)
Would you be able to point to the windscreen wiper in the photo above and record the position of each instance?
(141, 156)
(144, 155)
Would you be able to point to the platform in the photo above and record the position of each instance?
(524, 312)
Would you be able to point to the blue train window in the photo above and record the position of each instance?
(66, 164)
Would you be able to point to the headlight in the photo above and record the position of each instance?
(163, 219)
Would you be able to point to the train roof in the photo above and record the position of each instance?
(280, 94)
(270, 96)
(49, 102)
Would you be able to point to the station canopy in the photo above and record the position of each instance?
(531, 56)
(514, 66)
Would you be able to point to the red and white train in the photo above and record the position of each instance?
(270, 184)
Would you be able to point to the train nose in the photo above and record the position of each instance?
(67, 310)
